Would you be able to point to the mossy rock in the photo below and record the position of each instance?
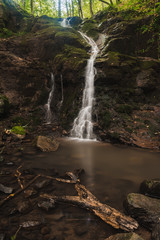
(91, 29)
(4, 106)
(18, 130)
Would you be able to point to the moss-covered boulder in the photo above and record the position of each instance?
(145, 209)
(151, 187)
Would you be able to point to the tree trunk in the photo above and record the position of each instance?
(59, 8)
(80, 8)
(91, 9)
(32, 7)
(67, 9)
(111, 2)
(72, 9)
(24, 4)
(104, 2)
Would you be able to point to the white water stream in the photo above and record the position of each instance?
(83, 126)
(48, 105)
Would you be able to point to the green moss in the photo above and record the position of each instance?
(90, 28)
(18, 130)
(125, 108)
(5, 33)
(106, 120)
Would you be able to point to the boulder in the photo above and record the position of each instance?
(151, 187)
(125, 236)
(156, 232)
(47, 144)
(146, 210)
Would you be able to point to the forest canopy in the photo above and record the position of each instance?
(87, 8)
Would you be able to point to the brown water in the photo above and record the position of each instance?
(111, 172)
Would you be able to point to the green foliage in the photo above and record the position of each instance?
(5, 33)
(125, 108)
(18, 130)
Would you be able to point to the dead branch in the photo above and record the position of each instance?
(87, 200)
(12, 195)
(18, 175)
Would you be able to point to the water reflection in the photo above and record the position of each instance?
(111, 172)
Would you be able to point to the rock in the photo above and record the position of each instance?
(125, 236)
(47, 205)
(30, 192)
(30, 224)
(144, 209)
(57, 216)
(45, 230)
(47, 144)
(156, 232)
(23, 207)
(151, 187)
(7, 190)
(42, 184)
(81, 230)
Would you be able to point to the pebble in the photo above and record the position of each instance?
(47, 205)
(5, 189)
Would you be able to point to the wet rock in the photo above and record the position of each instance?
(151, 187)
(57, 216)
(30, 224)
(42, 184)
(45, 230)
(47, 205)
(4, 189)
(30, 192)
(23, 207)
(144, 209)
(9, 164)
(156, 232)
(47, 144)
(81, 230)
(125, 236)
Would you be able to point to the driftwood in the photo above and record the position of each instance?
(87, 200)
(12, 195)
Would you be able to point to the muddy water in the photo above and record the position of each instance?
(111, 172)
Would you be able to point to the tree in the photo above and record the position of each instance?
(59, 8)
(80, 8)
(91, 9)
(32, 7)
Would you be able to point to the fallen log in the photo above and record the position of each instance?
(87, 200)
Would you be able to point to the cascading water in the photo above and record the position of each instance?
(65, 23)
(48, 105)
(83, 126)
(62, 98)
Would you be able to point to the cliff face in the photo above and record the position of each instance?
(127, 84)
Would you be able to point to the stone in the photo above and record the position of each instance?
(2, 236)
(125, 236)
(4, 189)
(47, 205)
(156, 232)
(23, 207)
(45, 230)
(144, 209)
(4, 105)
(42, 184)
(81, 230)
(30, 224)
(47, 144)
(30, 192)
(151, 187)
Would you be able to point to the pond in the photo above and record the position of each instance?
(111, 172)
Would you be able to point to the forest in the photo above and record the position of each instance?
(86, 8)
(79, 119)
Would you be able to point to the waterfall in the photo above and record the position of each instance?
(83, 126)
(65, 23)
(62, 98)
(48, 105)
